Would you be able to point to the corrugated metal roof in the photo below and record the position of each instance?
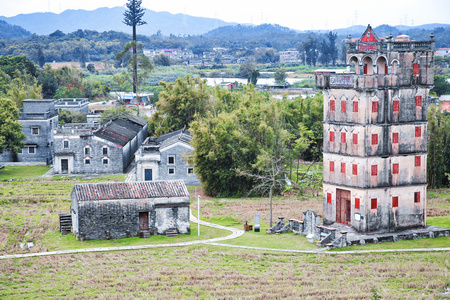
(130, 190)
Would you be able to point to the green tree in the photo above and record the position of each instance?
(91, 68)
(47, 79)
(181, 101)
(11, 135)
(10, 64)
(162, 60)
(22, 87)
(68, 116)
(40, 56)
(248, 70)
(441, 86)
(280, 76)
(133, 17)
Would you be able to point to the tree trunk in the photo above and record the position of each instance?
(134, 61)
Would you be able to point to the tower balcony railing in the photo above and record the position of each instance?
(383, 46)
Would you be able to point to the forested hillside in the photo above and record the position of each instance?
(8, 31)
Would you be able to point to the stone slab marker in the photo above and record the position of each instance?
(257, 223)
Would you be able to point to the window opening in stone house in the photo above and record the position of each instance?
(375, 139)
(382, 67)
(171, 159)
(374, 170)
(418, 100)
(396, 105)
(343, 168)
(332, 108)
(368, 66)
(343, 106)
(66, 144)
(394, 201)
(331, 166)
(416, 197)
(375, 106)
(395, 137)
(355, 106)
(105, 150)
(357, 203)
(395, 168)
(87, 151)
(343, 140)
(31, 150)
(87, 161)
(417, 161)
(355, 169)
(171, 171)
(415, 69)
(418, 131)
(105, 160)
(329, 198)
(355, 139)
(331, 136)
(35, 130)
(190, 171)
(373, 203)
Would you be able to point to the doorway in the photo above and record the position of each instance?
(343, 207)
(143, 221)
(148, 174)
(64, 166)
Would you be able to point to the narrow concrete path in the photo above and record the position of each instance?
(234, 234)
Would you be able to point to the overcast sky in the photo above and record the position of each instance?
(295, 14)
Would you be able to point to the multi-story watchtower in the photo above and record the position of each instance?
(375, 134)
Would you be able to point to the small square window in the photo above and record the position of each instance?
(395, 137)
(418, 131)
(416, 197)
(190, 171)
(171, 160)
(329, 198)
(87, 151)
(171, 171)
(394, 201)
(355, 106)
(87, 161)
(332, 105)
(355, 169)
(343, 168)
(395, 168)
(31, 150)
(105, 150)
(375, 106)
(344, 106)
(331, 136)
(105, 161)
(374, 170)
(373, 203)
(343, 139)
(355, 139)
(66, 144)
(34, 130)
(375, 139)
(417, 161)
(418, 100)
(396, 105)
(20, 151)
(331, 166)
(357, 203)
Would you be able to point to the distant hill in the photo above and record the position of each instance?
(107, 19)
(8, 31)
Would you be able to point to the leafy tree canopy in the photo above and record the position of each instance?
(11, 135)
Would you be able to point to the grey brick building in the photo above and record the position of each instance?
(164, 158)
(98, 149)
(119, 210)
(77, 105)
(38, 118)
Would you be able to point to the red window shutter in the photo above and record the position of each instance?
(416, 69)
(418, 100)
(375, 139)
(343, 106)
(395, 137)
(395, 168)
(355, 139)
(331, 136)
(418, 131)
(386, 69)
(355, 106)
(394, 201)
(373, 204)
(375, 106)
(331, 166)
(332, 105)
(329, 198)
(395, 106)
(417, 161)
(355, 169)
(365, 69)
(343, 140)
(357, 204)
(374, 170)
(416, 197)
(343, 168)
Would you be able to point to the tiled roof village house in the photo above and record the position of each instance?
(98, 149)
(164, 158)
(119, 210)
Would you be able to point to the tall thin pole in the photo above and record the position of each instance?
(198, 217)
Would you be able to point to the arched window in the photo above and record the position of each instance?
(354, 65)
(368, 66)
(382, 67)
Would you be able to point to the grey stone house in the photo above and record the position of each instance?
(77, 105)
(120, 210)
(96, 148)
(38, 119)
(164, 158)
